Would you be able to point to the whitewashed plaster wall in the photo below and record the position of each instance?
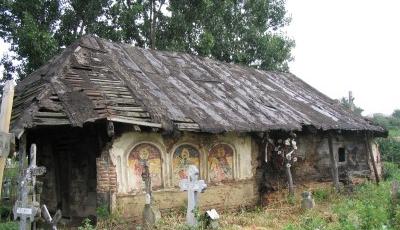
(243, 159)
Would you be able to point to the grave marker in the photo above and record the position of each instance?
(308, 201)
(151, 214)
(24, 209)
(193, 186)
(52, 221)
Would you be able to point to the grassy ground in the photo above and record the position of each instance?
(394, 133)
(368, 207)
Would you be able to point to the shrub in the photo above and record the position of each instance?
(86, 225)
(391, 171)
(390, 149)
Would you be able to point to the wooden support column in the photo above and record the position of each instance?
(5, 118)
(334, 167)
(371, 155)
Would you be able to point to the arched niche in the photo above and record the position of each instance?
(220, 163)
(184, 155)
(141, 154)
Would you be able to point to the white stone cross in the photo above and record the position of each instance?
(193, 186)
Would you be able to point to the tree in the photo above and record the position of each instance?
(350, 105)
(246, 32)
(396, 113)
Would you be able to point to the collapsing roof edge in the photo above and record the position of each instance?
(97, 79)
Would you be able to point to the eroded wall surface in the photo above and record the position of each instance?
(231, 164)
(314, 157)
(226, 162)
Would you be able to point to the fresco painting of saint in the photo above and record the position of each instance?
(184, 155)
(220, 163)
(145, 154)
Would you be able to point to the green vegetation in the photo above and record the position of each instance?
(389, 147)
(10, 225)
(246, 32)
(10, 174)
(368, 207)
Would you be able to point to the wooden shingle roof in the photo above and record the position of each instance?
(96, 79)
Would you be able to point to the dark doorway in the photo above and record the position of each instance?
(342, 154)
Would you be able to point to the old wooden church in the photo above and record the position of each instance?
(100, 109)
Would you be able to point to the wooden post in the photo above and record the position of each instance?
(5, 117)
(334, 167)
(290, 180)
(371, 155)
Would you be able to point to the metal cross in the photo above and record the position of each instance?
(193, 186)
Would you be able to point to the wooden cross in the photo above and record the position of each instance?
(23, 208)
(51, 220)
(193, 186)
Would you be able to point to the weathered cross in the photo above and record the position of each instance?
(193, 186)
(23, 209)
(51, 220)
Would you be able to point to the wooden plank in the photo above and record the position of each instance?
(127, 93)
(187, 126)
(51, 114)
(93, 93)
(74, 80)
(183, 120)
(20, 102)
(124, 96)
(118, 96)
(50, 121)
(371, 155)
(113, 87)
(121, 101)
(131, 114)
(131, 109)
(54, 98)
(105, 80)
(334, 167)
(134, 122)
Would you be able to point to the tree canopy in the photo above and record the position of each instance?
(246, 32)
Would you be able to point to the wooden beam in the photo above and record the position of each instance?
(5, 119)
(334, 167)
(134, 122)
(371, 155)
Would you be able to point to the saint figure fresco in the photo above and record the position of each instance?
(145, 154)
(184, 155)
(220, 163)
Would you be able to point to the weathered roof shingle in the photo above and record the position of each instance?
(96, 79)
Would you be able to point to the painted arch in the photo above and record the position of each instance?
(183, 156)
(220, 163)
(139, 155)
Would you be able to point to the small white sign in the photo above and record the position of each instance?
(25, 211)
(213, 214)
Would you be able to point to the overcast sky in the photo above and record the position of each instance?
(344, 45)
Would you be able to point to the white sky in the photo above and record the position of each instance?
(344, 45)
